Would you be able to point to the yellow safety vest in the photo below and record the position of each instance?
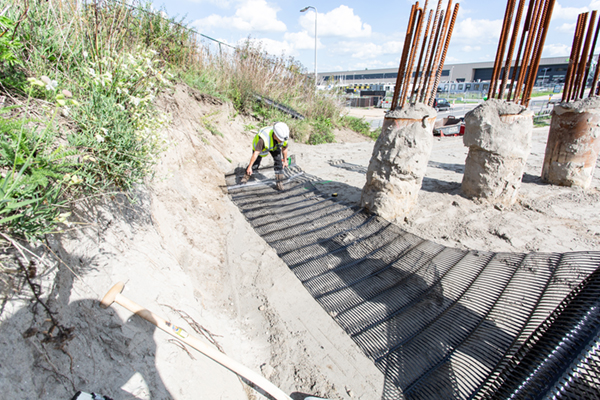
(266, 134)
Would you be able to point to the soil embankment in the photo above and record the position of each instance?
(184, 250)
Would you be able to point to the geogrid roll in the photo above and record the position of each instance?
(438, 322)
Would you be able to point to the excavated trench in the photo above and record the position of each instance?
(438, 322)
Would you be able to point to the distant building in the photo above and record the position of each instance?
(552, 70)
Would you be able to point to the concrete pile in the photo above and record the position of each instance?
(573, 143)
(498, 135)
(399, 161)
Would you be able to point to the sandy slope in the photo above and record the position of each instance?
(182, 245)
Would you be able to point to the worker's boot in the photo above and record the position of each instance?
(279, 181)
(245, 179)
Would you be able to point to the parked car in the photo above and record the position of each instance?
(441, 104)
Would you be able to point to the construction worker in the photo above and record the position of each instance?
(270, 139)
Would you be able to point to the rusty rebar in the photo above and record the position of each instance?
(417, 80)
(582, 56)
(531, 76)
(428, 81)
(539, 46)
(548, 9)
(574, 63)
(436, 37)
(583, 62)
(413, 73)
(411, 58)
(511, 47)
(399, 78)
(591, 56)
(517, 70)
(529, 53)
(430, 95)
(501, 44)
(569, 76)
(448, 37)
(578, 48)
(430, 50)
(525, 71)
(406, 71)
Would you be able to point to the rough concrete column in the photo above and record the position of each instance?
(498, 135)
(399, 161)
(573, 143)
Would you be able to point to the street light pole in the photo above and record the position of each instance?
(316, 12)
(544, 77)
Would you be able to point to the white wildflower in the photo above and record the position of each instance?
(50, 83)
(63, 217)
(76, 180)
(135, 101)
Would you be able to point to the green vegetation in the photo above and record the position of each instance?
(322, 131)
(82, 78)
(356, 124)
(542, 121)
(361, 126)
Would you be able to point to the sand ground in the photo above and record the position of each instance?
(185, 252)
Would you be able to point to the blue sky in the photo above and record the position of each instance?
(356, 34)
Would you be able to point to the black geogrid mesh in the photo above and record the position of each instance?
(438, 322)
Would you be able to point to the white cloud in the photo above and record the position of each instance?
(393, 47)
(568, 28)
(571, 13)
(340, 21)
(481, 31)
(556, 50)
(470, 49)
(368, 50)
(250, 15)
(218, 3)
(303, 41)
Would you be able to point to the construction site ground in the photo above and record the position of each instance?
(186, 252)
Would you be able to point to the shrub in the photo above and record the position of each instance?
(322, 131)
(358, 125)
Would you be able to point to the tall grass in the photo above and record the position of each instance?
(248, 70)
(99, 73)
(114, 59)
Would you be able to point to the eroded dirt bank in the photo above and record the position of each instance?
(183, 249)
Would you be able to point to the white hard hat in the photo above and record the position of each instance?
(282, 131)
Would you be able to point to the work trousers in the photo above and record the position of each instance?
(278, 163)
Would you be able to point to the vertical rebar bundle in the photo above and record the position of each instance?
(419, 82)
(581, 56)
(527, 60)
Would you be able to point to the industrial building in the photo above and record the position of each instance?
(455, 77)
